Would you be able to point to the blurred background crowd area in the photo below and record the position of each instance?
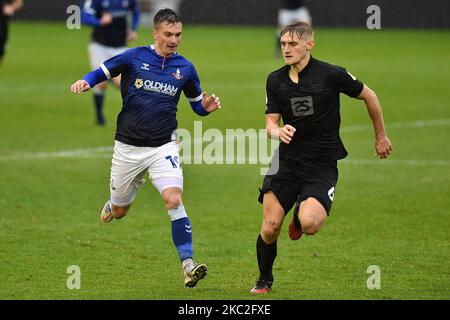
(326, 13)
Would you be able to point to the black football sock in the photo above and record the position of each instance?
(98, 99)
(266, 254)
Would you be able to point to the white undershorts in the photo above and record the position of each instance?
(99, 53)
(130, 163)
(286, 17)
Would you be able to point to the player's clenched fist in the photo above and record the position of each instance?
(286, 133)
(210, 102)
(80, 86)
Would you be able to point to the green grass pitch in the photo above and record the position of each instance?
(393, 214)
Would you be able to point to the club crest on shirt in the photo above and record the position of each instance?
(177, 75)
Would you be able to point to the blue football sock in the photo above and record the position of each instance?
(182, 238)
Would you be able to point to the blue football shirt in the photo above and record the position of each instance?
(151, 86)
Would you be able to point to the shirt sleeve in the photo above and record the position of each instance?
(192, 89)
(193, 93)
(272, 101)
(89, 13)
(346, 83)
(134, 7)
(118, 64)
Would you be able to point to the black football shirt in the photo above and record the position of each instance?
(312, 106)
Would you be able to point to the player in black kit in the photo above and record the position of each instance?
(7, 10)
(305, 94)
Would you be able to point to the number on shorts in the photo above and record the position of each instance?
(174, 161)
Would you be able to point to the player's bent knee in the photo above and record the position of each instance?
(172, 199)
(310, 226)
(270, 232)
(311, 230)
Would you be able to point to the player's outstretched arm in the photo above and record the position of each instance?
(90, 80)
(80, 86)
(210, 102)
(10, 9)
(383, 146)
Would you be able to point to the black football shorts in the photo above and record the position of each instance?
(300, 180)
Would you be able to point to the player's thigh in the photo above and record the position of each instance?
(322, 188)
(112, 52)
(283, 184)
(95, 52)
(165, 169)
(99, 53)
(127, 173)
(315, 202)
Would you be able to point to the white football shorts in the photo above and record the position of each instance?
(286, 17)
(130, 163)
(99, 53)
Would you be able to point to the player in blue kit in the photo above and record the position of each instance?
(109, 37)
(152, 80)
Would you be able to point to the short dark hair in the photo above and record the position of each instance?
(300, 29)
(166, 15)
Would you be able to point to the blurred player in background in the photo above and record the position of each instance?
(305, 95)
(156, 5)
(109, 18)
(8, 8)
(152, 80)
(290, 12)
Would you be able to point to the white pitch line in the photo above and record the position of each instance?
(383, 162)
(397, 162)
(75, 153)
(400, 125)
(106, 151)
